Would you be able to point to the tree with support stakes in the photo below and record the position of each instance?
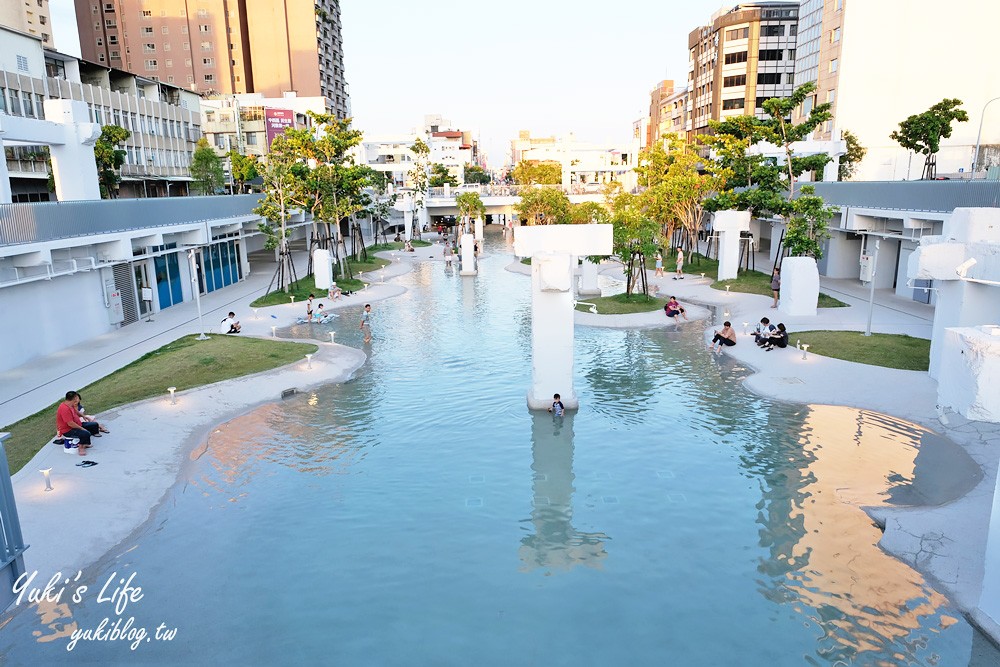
(923, 132)
(635, 237)
(469, 206)
(279, 183)
(380, 203)
(418, 175)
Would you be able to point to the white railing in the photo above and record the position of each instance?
(504, 190)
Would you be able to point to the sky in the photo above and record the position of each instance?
(548, 66)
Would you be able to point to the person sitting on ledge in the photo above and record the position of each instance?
(725, 337)
(68, 422)
(408, 247)
(673, 308)
(89, 422)
(335, 292)
(763, 331)
(778, 338)
(230, 325)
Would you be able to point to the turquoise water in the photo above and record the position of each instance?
(419, 515)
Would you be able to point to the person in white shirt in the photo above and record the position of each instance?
(230, 325)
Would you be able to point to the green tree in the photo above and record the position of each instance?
(923, 132)
(544, 206)
(533, 172)
(381, 202)
(635, 237)
(848, 163)
(244, 168)
(470, 205)
(206, 168)
(279, 188)
(110, 157)
(588, 212)
(440, 176)
(418, 174)
(780, 131)
(476, 174)
(807, 225)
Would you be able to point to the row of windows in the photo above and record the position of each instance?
(763, 79)
(141, 123)
(21, 103)
(154, 157)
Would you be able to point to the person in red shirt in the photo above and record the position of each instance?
(68, 421)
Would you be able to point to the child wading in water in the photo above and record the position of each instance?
(557, 405)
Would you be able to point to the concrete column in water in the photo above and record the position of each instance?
(468, 255)
(588, 279)
(552, 248)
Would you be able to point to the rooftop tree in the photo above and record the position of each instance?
(533, 172)
(923, 132)
(440, 176)
(244, 168)
(110, 157)
(544, 206)
(848, 162)
(206, 168)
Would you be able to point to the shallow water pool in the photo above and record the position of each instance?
(420, 515)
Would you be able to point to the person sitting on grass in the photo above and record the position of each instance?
(725, 337)
(230, 325)
(674, 308)
(68, 422)
(778, 338)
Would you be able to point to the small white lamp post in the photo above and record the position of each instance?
(727, 289)
(805, 349)
(48, 480)
(702, 275)
(332, 334)
(309, 361)
(383, 276)
(274, 332)
(173, 398)
(292, 297)
(255, 313)
(197, 294)
(745, 327)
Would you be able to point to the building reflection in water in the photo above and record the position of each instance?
(821, 559)
(556, 544)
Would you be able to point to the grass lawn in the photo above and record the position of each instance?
(394, 245)
(184, 363)
(621, 304)
(303, 287)
(526, 261)
(886, 350)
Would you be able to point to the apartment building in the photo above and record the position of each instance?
(222, 46)
(875, 78)
(164, 120)
(30, 17)
(668, 112)
(744, 56)
(248, 123)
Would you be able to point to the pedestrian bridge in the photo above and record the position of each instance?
(501, 199)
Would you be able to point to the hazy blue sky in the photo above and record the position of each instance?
(549, 66)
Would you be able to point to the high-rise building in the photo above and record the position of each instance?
(818, 56)
(28, 16)
(745, 56)
(222, 46)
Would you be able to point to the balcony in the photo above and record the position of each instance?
(28, 168)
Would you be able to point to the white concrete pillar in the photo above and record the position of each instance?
(407, 224)
(6, 196)
(729, 224)
(73, 167)
(423, 217)
(799, 286)
(552, 249)
(468, 255)
(588, 279)
(478, 226)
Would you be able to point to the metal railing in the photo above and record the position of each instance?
(26, 166)
(502, 190)
(51, 221)
(12, 546)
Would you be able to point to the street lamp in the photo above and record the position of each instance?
(975, 153)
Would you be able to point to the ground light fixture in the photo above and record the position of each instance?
(805, 349)
(745, 326)
(255, 313)
(332, 334)
(727, 289)
(309, 361)
(274, 332)
(48, 480)
(702, 275)
(798, 344)
(173, 398)
(382, 276)
(292, 297)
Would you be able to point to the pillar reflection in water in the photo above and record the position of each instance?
(556, 544)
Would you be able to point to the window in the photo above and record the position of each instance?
(42, 19)
(166, 46)
(736, 103)
(772, 31)
(110, 23)
(149, 48)
(834, 65)
(831, 96)
(791, 54)
(208, 62)
(165, 30)
(147, 30)
(209, 78)
(733, 58)
(768, 78)
(731, 81)
(147, 14)
(187, 62)
(203, 13)
(187, 46)
(29, 108)
(22, 64)
(251, 138)
(760, 102)
(737, 33)
(793, 30)
(835, 35)
(112, 39)
(206, 46)
(168, 63)
(151, 64)
(100, 41)
(204, 29)
(115, 55)
(100, 57)
(769, 54)
(109, 7)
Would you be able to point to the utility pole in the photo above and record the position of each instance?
(871, 289)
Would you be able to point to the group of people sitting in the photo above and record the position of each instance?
(766, 335)
(74, 426)
(319, 315)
